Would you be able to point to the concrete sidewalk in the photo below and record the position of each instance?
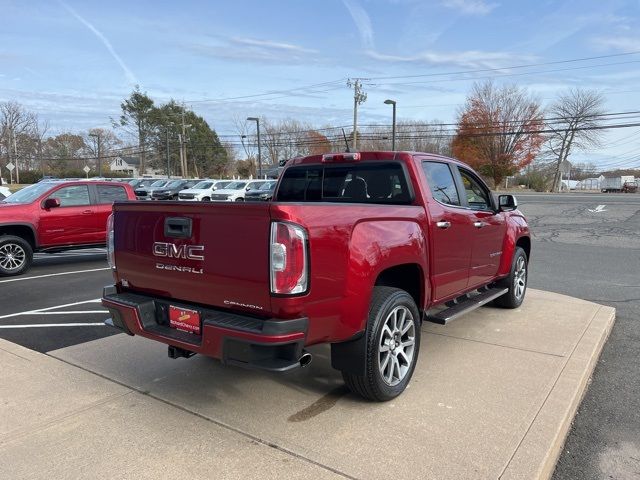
(493, 396)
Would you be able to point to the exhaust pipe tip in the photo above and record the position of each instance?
(305, 359)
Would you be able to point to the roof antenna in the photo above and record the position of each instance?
(346, 142)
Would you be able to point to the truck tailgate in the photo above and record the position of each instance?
(204, 253)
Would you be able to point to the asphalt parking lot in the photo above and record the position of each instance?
(585, 245)
(55, 304)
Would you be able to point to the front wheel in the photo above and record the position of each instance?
(16, 255)
(516, 282)
(239, 199)
(392, 346)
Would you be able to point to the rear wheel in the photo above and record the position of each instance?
(516, 282)
(392, 346)
(16, 255)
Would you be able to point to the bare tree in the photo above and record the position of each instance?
(109, 141)
(416, 136)
(573, 118)
(15, 122)
(247, 140)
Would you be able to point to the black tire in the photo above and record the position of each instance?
(240, 199)
(511, 299)
(16, 255)
(206, 199)
(373, 385)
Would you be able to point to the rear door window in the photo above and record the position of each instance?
(111, 193)
(379, 182)
(441, 183)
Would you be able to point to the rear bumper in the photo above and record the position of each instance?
(267, 344)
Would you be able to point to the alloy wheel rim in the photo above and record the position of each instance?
(12, 256)
(520, 278)
(396, 346)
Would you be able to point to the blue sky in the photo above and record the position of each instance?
(73, 62)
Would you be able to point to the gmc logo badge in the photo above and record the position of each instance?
(170, 250)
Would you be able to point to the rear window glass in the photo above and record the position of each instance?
(443, 187)
(111, 193)
(378, 182)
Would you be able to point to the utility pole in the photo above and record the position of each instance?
(168, 156)
(183, 145)
(359, 97)
(15, 151)
(99, 160)
(257, 120)
(182, 172)
(40, 155)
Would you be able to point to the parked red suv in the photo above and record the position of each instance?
(55, 216)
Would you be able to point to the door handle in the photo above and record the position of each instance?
(479, 224)
(87, 212)
(443, 225)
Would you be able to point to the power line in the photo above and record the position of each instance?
(269, 93)
(512, 67)
(582, 67)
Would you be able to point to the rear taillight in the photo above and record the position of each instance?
(110, 245)
(289, 262)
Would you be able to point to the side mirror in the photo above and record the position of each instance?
(51, 203)
(247, 189)
(507, 203)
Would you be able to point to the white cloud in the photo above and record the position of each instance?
(470, 7)
(363, 22)
(469, 58)
(255, 50)
(625, 44)
(131, 78)
(266, 44)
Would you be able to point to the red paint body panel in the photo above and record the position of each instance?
(235, 237)
(349, 245)
(63, 227)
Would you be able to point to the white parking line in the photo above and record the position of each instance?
(42, 325)
(66, 313)
(40, 310)
(20, 279)
(42, 256)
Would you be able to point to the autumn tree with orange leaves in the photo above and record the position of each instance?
(499, 130)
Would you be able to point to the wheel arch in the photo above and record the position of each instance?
(525, 243)
(22, 230)
(408, 277)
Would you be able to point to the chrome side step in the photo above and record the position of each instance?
(445, 316)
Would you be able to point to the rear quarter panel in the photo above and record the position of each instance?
(517, 228)
(349, 246)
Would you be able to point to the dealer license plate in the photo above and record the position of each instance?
(184, 319)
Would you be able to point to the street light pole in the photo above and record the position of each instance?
(99, 161)
(393, 125)
(168, 156)
(257, 120)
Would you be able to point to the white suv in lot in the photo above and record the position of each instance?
(234, 192)
(4, 193)
(202, 192)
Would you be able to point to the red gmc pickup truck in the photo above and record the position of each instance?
(53, 216)
(355, 250)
